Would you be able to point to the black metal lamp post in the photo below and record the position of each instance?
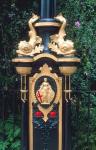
(47, 8)
(45, 64)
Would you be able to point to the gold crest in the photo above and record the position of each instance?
(44, 93)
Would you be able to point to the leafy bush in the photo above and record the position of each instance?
(9, 135)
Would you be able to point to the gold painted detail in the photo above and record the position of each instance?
(58, 43)
(24, 70)
(34, 45)
(45, 94)
(67, 88)
(64, 59)
(45, 111)
(47, 24)
(68, 70)
(24, 90)
(22, 60)
(45, 72)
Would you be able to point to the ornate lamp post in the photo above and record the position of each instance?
(45, 64)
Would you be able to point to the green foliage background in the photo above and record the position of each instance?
(14, 15)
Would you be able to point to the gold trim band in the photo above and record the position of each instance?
(67, 91)
(17, 60)
(75, 59)
(43, 24)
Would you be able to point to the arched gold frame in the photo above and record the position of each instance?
(45, 71)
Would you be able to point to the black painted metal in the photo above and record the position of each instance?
(47, 8)
(24, 127)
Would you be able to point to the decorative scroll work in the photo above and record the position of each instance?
(33, 46)
(58, 44)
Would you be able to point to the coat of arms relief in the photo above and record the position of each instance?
(45, 90)
(45, 94)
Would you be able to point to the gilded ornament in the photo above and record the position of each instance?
(58, 44)
(45, 93)
(33, 46)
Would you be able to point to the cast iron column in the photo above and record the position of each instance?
(47, 8)
(47, 11)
